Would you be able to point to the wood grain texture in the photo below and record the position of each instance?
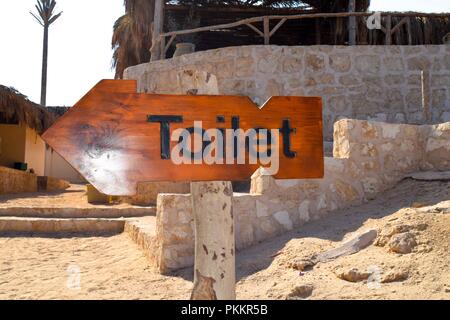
(107, 139)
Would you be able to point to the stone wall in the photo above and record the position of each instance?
(16, 181)
(381, 83)
(147, 192)
(437, 148)
(369, 157)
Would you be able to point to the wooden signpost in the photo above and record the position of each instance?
(117, 138)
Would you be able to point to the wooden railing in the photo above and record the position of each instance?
(160, 45)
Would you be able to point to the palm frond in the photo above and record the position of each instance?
(45, 10)
(37, 19)
(53, 19)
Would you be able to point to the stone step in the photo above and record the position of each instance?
(82, 212)
(143, 232)
(53, 225)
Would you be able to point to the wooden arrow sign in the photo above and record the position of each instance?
(117, 138)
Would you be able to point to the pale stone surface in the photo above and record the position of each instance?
(261, 209)
(91, 211)
(340, 62)
(142, 232)
(303, 211)
(438, 148)
(283, 218)
(367, 63)
(381, 83)
(174, 252)
(49, 226)
(70, 204)
(315, 62)
(147, 192)
(286, 183)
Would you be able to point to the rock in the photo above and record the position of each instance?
(301, 264)
(396, 229)
(352, 275)
(301, 292)
(381, 241)
(355, 245)
(387, 233)
(395, 275)
(402, 243)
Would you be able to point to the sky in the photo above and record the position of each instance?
(80, 44)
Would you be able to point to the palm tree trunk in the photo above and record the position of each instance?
(44, 68)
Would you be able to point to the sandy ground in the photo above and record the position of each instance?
(114, 268)
(109, 268)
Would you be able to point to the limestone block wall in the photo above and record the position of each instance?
(15, 181)
(147, 192)
(382, 83)
(369, 157)
(437, 148)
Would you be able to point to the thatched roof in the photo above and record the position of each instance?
(16, 108)
(132, 36)
(320, 5)
(58, 111)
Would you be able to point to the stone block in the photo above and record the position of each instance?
(394, 64)
(292, 65)
(244, 66)
(340, 62)
(314, 61)
(369, 64)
